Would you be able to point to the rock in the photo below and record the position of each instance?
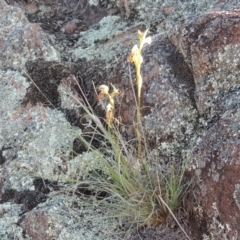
(9, 228)
(215, 154)
(66, 218)
(210, 46)
(21, 40)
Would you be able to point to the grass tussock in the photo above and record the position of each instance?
(133, 190)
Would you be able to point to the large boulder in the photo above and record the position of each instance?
(211, 47)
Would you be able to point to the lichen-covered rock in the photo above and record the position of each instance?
(210, 45)
(31, 137)
(116, 34)
(21, 40)
(216, 156)
(67, 217)
(9, 228)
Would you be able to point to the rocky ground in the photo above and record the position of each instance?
(191, 110)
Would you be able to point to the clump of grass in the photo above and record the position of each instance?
(134, 191)
(138, 195)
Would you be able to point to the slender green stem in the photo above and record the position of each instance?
(139, 86)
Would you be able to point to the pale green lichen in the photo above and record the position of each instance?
(221, 80)
(9, 222)
(93, 2)
(80, 166)
(40, 156)
(91, 43)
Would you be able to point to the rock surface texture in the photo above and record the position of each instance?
(211, 47)
(190, 99)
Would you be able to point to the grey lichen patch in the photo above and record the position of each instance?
(9, 217)
(69, 98)
(43, 156)
(169, 11)
(93, 2)
(91, 43)
(10, 16)
(165, 134)
(81, 166)
(213, 172)
(35, 140)
(13, 88)
(236, 195)
(19, 180)
(220, 80)
(168, 112)
(43, 10)
(217, 144)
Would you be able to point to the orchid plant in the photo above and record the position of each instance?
(137, 59)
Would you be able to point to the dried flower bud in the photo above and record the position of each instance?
(104, 89)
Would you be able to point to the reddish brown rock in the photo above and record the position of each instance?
(37, 231)
(211, 47)
(216, 156)
(21, 40)
(168, 10)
